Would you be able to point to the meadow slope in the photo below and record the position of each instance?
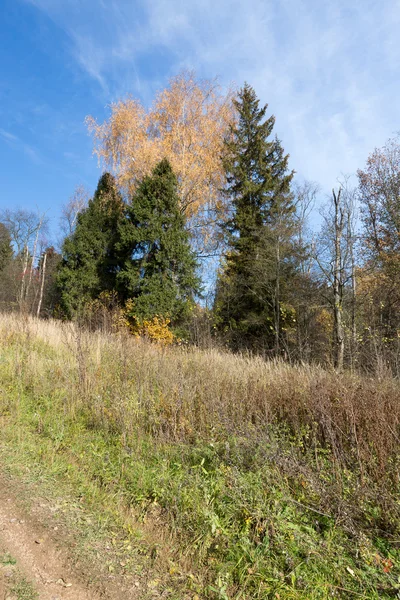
(218, 476)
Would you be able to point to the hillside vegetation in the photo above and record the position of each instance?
(199, 229)
(255, 479)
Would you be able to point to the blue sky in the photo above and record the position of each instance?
(330, 72)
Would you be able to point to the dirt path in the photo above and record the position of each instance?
(38, 558)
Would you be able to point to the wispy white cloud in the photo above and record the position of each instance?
(9, 137)
(15, 142)
(330, 71)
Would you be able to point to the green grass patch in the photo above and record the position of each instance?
(7, 560)
(23, 590)
(17, 586)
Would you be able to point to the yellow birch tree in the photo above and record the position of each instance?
(186, 124)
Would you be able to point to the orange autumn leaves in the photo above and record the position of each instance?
(187, 124)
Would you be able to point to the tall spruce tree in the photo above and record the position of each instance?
(157, 264)
(89, 265)
(250, 301)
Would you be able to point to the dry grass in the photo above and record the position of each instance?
(182, 393)
(207, 422)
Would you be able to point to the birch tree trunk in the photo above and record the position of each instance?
(22, 292)
(43, 274)
(337, 283)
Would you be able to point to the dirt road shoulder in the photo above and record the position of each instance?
(43, 562)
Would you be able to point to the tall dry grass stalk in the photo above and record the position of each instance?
(129, 386)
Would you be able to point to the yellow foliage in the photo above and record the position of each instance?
(156, 329)
(106, 311)
(370, 281)
(186, 124)
(325, 320)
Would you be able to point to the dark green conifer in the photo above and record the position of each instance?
(250, 291)
(158, 266)
(89, 265)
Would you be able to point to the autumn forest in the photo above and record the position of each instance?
(200, 232)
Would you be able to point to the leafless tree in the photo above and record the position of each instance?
(304, 297)
(25, 228)
(69, 212)
(335, 257)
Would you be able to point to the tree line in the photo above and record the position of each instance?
(200, 175)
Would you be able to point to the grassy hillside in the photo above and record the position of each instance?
(247, 479)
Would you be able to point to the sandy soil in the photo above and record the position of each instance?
(39, 559)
